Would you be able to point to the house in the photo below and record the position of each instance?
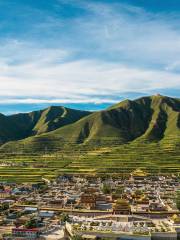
(121, 206)
(4, 194)
(24, 233)
(46, 214)
(139, 175)
(30, 209)
(157, 206)
(88, 200)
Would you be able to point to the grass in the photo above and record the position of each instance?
(153, 157)
(132, 134)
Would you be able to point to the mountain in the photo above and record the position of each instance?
(20, 126)
(147, 119)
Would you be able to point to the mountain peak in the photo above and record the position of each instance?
(151, 118)
(22, 125)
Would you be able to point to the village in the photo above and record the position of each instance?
(138, 206)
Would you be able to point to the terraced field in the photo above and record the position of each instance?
(153, 157)
(144, 133)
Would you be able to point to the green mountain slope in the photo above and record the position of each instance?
(23, 125)
(148, 119)
(164, 125)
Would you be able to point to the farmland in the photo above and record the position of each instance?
(153, 157)
(144, 133)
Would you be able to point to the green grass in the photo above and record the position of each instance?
(23, 125)
(144, 133)
(148, 119)
(163, 157)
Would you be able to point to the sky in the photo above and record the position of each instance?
(87, 54)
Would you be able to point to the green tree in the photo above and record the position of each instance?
(32, 223)
(178, 200)
(106, 189)
(76, 237)
(65, 218)
(5, 206)
(119, 190)
(138, 192)
(43, 188)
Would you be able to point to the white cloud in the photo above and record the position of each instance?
(79, 81)
(115, 49)
(55, 101)
(174, 66)
(135, 36)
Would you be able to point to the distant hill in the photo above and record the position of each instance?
(23, 125)
(147, 119)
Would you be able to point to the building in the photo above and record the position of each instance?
(24, 233)
(139, 175)
(121, 207)
(88, 200)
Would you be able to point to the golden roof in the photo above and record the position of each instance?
(139, 173)
(175, 218)
(121, 204)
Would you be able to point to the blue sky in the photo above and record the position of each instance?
(87, 54)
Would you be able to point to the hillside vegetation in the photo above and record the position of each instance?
(144, 133)
(22, 125)
(148, 119)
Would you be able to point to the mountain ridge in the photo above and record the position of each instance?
(155, 118)
(22, 125)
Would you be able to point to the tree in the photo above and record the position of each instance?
(119, 190)
(2, 187)
(43, 188)
(5, 206)
(76, 237)
(106, 189)
(32, 223)
(178, 200)
(104, 177)
(101, 238)
(138, 192)
(65, 218)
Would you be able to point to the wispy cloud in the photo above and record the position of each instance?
(107, 51)
(78, 79)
